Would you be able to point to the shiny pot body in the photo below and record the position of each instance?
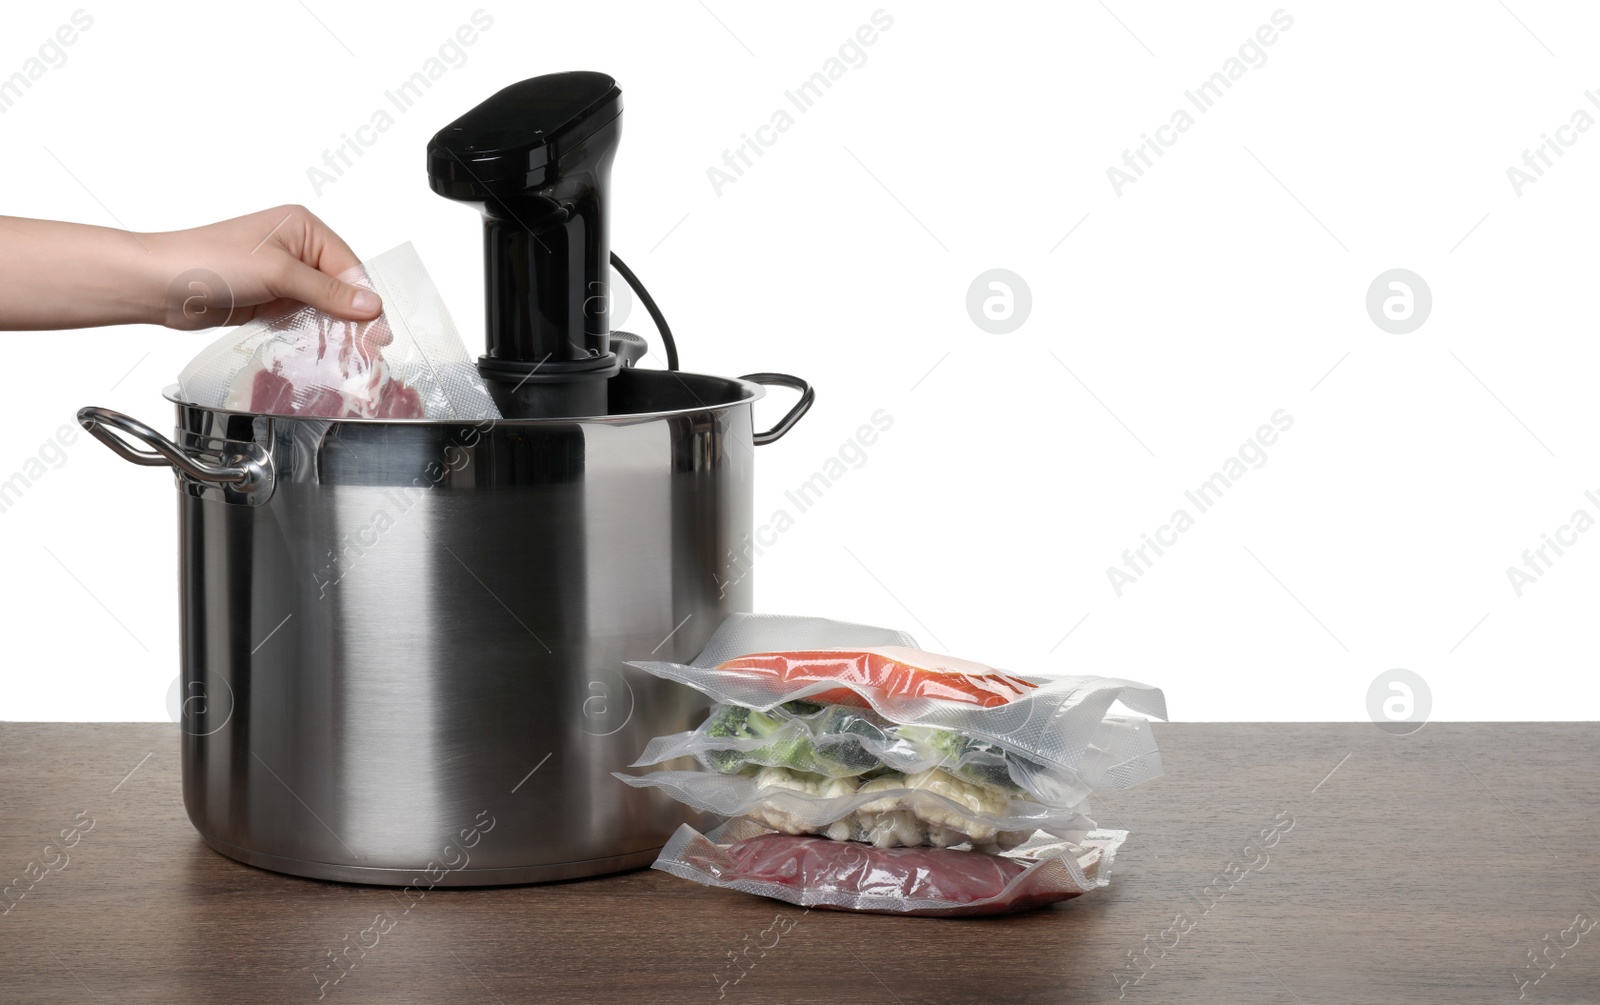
(404, 643)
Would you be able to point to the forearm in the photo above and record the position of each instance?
(68, 275)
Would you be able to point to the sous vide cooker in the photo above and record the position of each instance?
(446, 709)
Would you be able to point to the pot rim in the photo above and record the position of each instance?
(752, 392)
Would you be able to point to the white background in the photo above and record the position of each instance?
(1176, 318)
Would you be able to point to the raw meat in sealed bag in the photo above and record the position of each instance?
(408, 363)
(910, 873)
(928, 882)
(329, 368)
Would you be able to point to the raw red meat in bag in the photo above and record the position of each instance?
(886, 671)
(408, 363)
(847, 876)
(908, 874)
(332, 369)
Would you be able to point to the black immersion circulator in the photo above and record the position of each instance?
(536, 160)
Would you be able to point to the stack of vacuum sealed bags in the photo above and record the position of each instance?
(861, 773)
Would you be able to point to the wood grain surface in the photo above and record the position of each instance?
(1425, 868)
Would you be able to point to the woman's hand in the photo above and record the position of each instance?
(65, 275)
(268, 261)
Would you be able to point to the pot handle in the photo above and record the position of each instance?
(801, 407)
(243, 475)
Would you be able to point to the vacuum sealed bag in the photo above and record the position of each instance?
(743, 633)
(890, 810)
(408, 363)
(1058, 722)
(879, 673)
(842, 876)
(840, 741)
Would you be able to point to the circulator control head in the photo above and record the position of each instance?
(535, 158)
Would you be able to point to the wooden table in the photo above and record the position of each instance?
(1421, 868)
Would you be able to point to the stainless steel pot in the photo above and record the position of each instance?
(403, 642)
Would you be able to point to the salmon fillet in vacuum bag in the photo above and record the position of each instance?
(408, 363)
(884, 670)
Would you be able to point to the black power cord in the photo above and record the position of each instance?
(649, 305)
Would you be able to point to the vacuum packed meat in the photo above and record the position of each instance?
(895, 670)
(408, 363)
(845, 876)
(331, 368)
(911, 874)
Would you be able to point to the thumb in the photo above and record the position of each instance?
(343, 300)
